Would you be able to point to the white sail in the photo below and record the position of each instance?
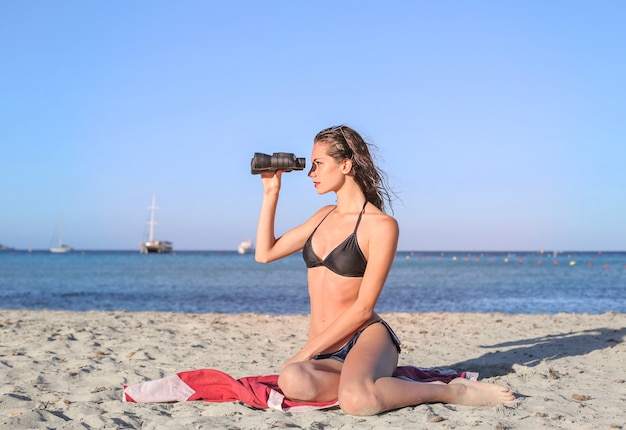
(61, 248)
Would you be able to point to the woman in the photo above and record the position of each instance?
(348, 248)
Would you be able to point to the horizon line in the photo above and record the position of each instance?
(430, 251)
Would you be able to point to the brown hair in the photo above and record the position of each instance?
(344, 142)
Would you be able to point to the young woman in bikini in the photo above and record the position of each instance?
(348, 249)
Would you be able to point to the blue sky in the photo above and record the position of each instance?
(502, 125)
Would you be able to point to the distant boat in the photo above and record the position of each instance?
(246, 247)
(155, 246)
(62, 248)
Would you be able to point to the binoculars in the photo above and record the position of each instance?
(277, 161)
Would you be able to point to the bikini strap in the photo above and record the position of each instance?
(358, 221)
(320, 223)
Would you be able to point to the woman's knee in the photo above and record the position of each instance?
(297, 383)
(359, 400)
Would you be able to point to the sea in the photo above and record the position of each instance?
(227, 282)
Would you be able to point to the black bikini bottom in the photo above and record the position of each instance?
(341, 354)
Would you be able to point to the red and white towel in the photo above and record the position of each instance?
(260, 392)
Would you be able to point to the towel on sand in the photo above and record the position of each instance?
(260, 392)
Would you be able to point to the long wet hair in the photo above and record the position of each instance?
(344, 142)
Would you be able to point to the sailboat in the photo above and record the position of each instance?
(61, 249)
(155, 246)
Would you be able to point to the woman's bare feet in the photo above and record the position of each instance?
(476, 393)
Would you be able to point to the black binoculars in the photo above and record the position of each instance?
(278, 161)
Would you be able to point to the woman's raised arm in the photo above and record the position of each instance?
(268, 248)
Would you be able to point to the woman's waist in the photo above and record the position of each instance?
(319, 326)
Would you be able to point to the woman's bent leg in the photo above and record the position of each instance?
(373, 358)
(367, 388)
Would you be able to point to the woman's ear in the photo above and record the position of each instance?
(346, 165)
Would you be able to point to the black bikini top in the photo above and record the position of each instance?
(345, 260)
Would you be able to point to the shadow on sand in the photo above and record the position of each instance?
(531, 352)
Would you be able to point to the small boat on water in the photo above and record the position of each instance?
(155, 246)
(61, 248)
(246, 247)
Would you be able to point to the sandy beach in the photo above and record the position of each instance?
(65, 370)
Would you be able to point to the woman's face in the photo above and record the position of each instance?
(325, 171)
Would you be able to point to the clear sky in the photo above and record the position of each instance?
(502, 125)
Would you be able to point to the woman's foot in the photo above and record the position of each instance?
(476, 393)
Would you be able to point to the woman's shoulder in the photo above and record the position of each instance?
(326, 208)
(319, 214)
(371, 209)
(379, 220)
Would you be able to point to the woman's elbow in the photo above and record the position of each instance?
(261, 257)
(365, 312)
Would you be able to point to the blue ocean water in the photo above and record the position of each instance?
(226, 282)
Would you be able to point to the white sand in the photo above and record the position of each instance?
(65, 370)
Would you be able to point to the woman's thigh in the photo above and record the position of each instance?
(373, 356)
